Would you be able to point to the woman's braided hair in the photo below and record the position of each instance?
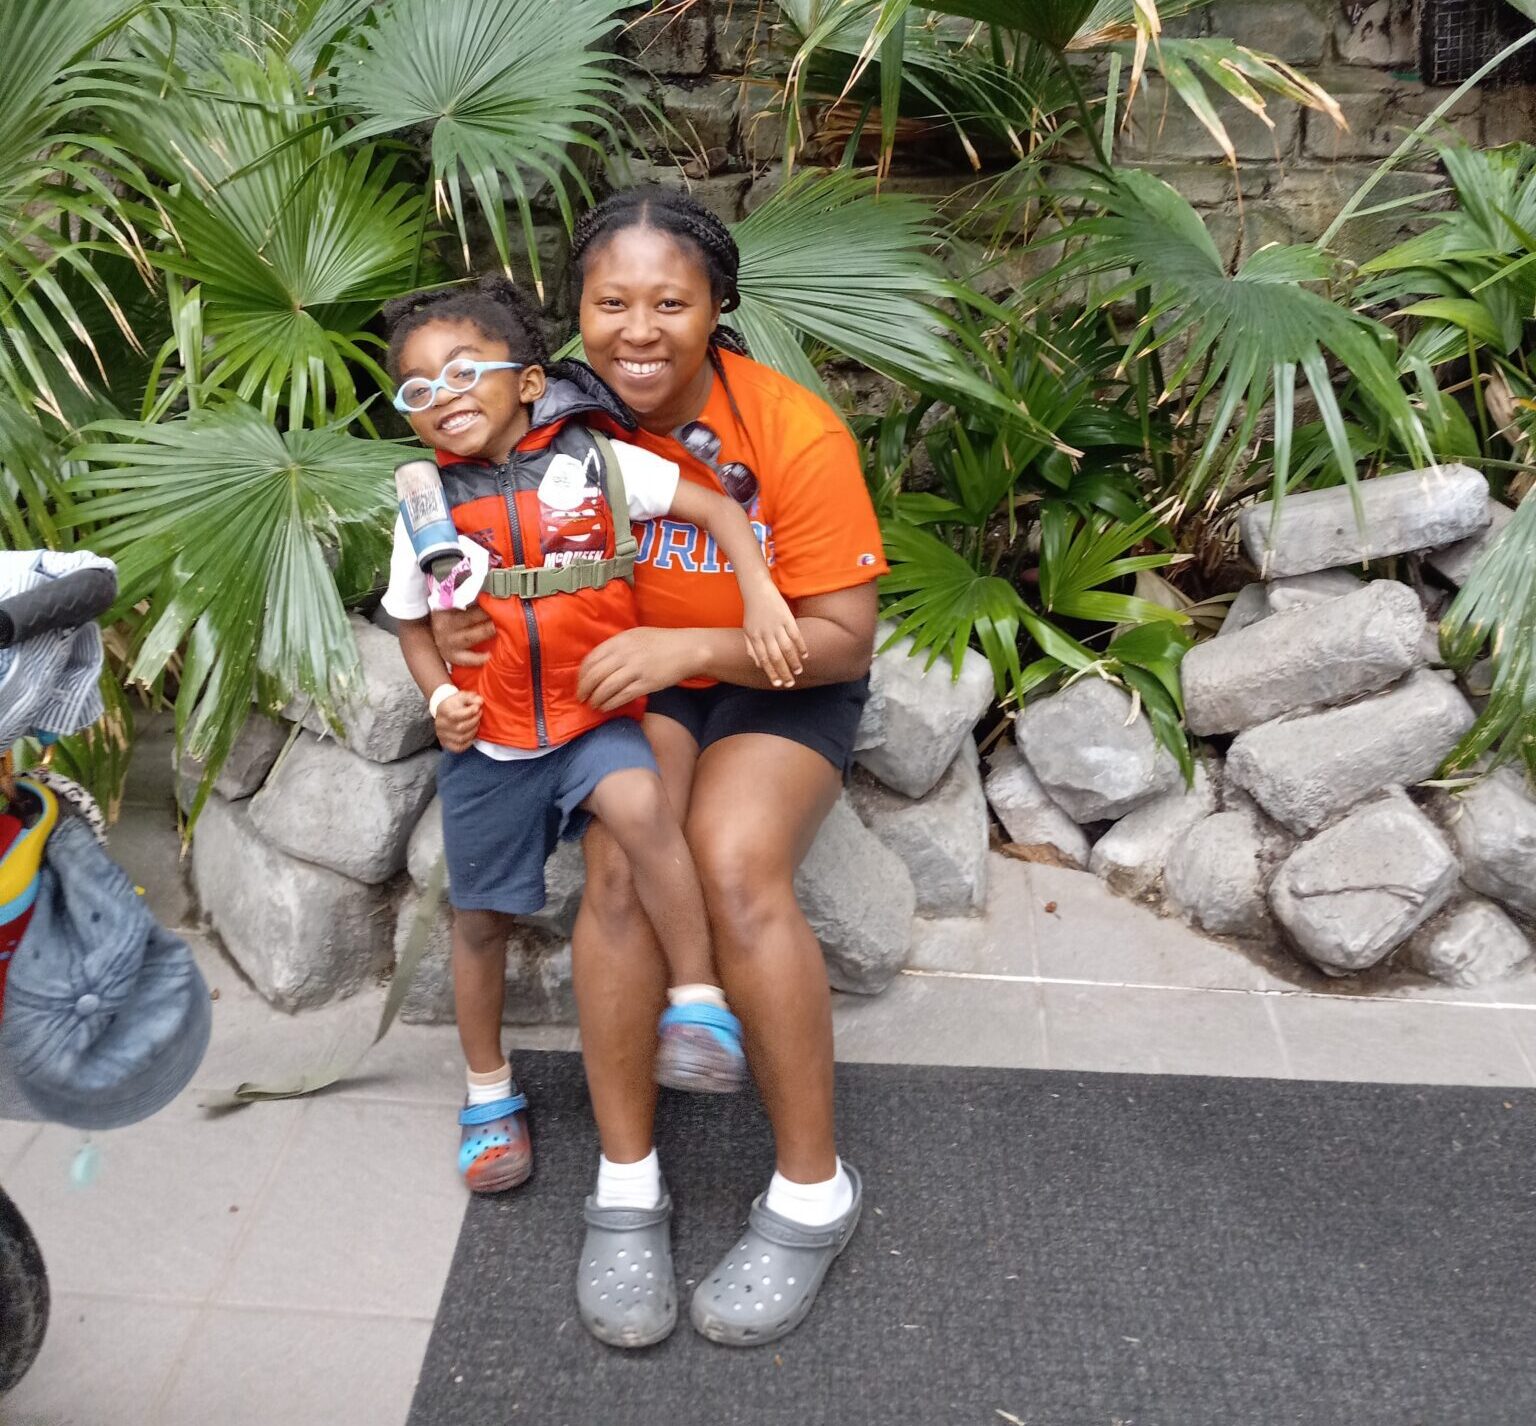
(670, 211)
(501, 310)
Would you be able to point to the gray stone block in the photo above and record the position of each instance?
(942, 838)
(1090, 754)
(1215, 874)
(1304, 771)
(1357, 891)
(1379, 33)
(1416, 510)
(1026, 809)
(669, 41)
(1306, 591)
(1291, 30)
(538, 976)
(704, 112)
(565, 878)
(251, 758)
(329, 806)
(1307, 657)
(1132, 854)
(858, 896)
(1493, 824)
(302, 935)
(1250, 606)
(928, 714)
(385, 719)
(1456, 562)
(1472, 945)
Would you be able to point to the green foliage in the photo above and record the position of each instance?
(224, 526)
(1241, 339)
(289, 243)
(507, 90)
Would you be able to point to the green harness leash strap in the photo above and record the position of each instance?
(405, 972)
(539, 581)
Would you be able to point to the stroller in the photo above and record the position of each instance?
(104, 1016)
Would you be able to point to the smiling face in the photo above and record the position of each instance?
(484, 423)
(646, 315)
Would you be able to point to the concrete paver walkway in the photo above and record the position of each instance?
(284, 1263)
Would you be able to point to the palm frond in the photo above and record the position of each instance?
(1494, 615)
(224, 524)
(61, 191)
(291, 242)
(1241, 339)
(505, 88)
(827, 259)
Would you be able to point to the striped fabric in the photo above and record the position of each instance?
(48, 684)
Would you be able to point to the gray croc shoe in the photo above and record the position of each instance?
(767, 1284)
(625, 1290)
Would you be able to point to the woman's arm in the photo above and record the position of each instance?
(838, 628)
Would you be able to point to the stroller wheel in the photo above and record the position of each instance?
(23, 1296)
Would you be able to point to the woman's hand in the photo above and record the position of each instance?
(457, 631)
(773, 637)
(458, 720)
(634, 663)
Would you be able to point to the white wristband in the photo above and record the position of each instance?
(439, 694)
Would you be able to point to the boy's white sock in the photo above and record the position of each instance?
(636, 1185)
(813, 1204)
(696, 994)
(488, 1088)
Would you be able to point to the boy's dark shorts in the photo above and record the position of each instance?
(501, 820)
(824, 719)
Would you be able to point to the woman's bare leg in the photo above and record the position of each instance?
(620, 973)
(756, 804)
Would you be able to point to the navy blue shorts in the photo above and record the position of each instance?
(824, 718)
(501, 820)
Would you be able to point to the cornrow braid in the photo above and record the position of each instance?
(501, 310)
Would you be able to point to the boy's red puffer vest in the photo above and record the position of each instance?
(545, 506)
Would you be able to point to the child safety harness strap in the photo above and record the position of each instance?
(536, 581)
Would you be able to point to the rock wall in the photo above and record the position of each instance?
(313, 851)
(707, 68)
(1309, 823)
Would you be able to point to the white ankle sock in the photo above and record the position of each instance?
(636, 1185)
(813, 1204)
(488, 1088)
(697, 994)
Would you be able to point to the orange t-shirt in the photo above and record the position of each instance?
(793, 465)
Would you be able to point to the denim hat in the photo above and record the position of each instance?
(106, 1013)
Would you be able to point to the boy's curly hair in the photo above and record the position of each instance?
(501, 310)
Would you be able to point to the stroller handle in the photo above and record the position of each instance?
(63, 603)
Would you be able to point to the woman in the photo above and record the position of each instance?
(755, 767)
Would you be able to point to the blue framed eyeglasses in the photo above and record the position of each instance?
(459, 376)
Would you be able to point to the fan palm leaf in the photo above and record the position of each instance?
(291, 243)
(826, 259)
(61, 190)
(196, 36)
(505, 88)
(1495, 614)
(1241, 339)
(224, 525)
